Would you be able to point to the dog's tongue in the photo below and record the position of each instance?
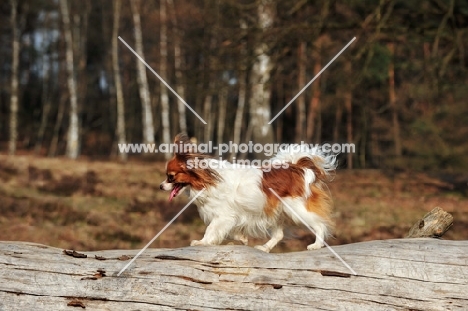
(174, 192)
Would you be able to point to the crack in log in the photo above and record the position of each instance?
(187, 278)
(334, 273)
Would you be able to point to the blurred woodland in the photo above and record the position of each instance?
(69, 86)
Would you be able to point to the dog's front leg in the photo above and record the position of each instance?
(216, 232)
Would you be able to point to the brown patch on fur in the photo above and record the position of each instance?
(319, 172)
(285, 183)
(320, 203)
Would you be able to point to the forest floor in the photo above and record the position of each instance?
(96, 205)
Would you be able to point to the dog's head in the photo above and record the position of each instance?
(181, 173)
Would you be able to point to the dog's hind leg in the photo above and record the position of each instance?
(296, 209)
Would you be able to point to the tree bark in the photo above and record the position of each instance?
(165, 121)
(338, 117)
(147, 115)
(312, 116)
(348, 97)
(58, 124)
(259, 102)
(120, 129)
(178, 65)
(73, 143)
(46, 92)
(14, 78)
(222, 107)
(208, 100)
(301, 107)
(392, 100)
(433, 225)
(242, 77)
(399, 274)
(80, 36)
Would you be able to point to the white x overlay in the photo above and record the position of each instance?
(313, 79)
(162, 80)
(159, 233)
(201, 119)
(317, 236)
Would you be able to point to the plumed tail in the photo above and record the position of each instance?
(318, 165)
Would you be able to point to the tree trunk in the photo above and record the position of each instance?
(147, 115)
(338, 116)
(259, 102)
(208, 100)
(314, 107)
(120, 129)
(348, 97)
(222, 103)
(80, 28)
(279, 121)
(14, 78)
(392, 100)
(301, 107)
(73, 143)
(58, 124)
(207, 103)
(46, 92)
(178, 65)
(166, 135)
(398, 274)
(242, 77)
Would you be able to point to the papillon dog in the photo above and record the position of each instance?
(239, 202)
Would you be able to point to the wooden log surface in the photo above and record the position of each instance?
(400, 274)
(433, 224)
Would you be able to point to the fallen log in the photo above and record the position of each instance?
(401, 274)
(433, 225)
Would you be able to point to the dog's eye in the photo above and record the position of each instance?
(170, 178)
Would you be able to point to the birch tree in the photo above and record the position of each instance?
(178, 65)
(242, 90)
(120, 129)
(147, 114)
(222, 106)
(14, 78)
(210, 65)
(73, 144)
(163, 71)
(46, 89)
(260, 79)
(208, 100)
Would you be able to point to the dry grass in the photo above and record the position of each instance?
(92, 205)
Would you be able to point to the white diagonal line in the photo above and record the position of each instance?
(318, 237)
(162, 80)
(316, 76)
(159, 233)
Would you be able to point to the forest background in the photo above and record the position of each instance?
(71, 91)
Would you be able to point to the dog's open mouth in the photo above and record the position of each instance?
(175, 191)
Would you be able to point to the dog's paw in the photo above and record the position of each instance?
(196, 242)
(315, 246)
(262, 248)
(241, 238)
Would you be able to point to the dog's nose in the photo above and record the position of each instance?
(161, 186)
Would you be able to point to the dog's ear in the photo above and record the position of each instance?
(184, 146)
(182, 138)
